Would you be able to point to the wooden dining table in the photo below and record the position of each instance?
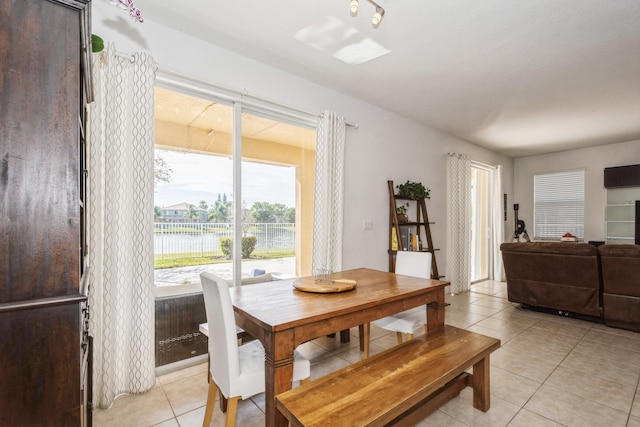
(283, 317)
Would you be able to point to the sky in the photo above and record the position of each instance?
(197, 177)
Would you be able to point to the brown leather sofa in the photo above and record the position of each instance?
(621, 285)
(602, 283)
(556, 275)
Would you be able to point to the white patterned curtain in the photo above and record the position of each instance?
(459, 182)
(329, 192)
(497, 221)
(120, 224)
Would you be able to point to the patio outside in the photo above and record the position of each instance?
(281, 268)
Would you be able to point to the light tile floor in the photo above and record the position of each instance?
(550, 371)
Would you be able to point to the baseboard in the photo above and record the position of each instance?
(181, 364)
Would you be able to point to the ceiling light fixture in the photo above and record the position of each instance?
(377, 17)
(353, 7)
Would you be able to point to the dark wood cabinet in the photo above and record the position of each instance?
(622, 176)
(44, 342)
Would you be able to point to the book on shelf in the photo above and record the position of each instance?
(394, 239)
(405, 233)
(414, 242)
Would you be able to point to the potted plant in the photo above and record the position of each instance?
(413, 190)
(402, 213)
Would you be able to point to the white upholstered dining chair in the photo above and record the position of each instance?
(416, 264)
(236, 370)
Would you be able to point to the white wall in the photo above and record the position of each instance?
(593, 160)
(385, 146)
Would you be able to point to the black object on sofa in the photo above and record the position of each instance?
(557, 275)
(621, 285)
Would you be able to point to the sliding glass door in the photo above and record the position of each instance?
(193, 195)
(278, 175)
(480, 224)
(227, 175)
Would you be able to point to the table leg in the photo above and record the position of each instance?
(344, 336)
(481, 385)
(278, 378)
(435, 312)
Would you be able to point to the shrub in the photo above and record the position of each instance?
(248, 246)
(226, 246)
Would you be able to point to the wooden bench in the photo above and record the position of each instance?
(399, 386)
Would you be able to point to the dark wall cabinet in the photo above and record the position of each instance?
(44, 341)
(622, 176)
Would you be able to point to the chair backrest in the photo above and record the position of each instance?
(417, 264)
(223, 340)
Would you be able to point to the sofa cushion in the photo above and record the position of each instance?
(621, 285)
(620, 269)
(194, 288)
(558, 275)
(556, 248)
(571, 264)
(257, 279)
(178, 290)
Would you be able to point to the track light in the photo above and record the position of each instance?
(353, 7)
(377, 17)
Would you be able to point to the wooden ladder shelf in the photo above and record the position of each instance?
(421, 227)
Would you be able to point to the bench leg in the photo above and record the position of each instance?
(481, 385)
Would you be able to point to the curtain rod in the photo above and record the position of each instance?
(481, 165)
(233, 95)
(475, 163)
(125, 56)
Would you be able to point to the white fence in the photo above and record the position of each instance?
(177, 240)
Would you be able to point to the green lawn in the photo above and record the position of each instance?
(187, 260)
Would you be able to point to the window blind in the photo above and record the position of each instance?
(558, 200)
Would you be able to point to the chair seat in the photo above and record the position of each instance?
(406, 322)
(251, 379)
